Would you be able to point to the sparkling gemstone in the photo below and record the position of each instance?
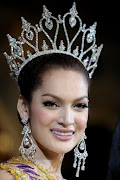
(13, 66)
(83, 168)
(72, 21)
(62, 47)
(26, 141)
(89, 38)
(17, 51)
(82, 146)
(44, 46)
(29, 35)
(75, 51)
(94, 58)
(29, 54)
(86, 61)
(49, 24)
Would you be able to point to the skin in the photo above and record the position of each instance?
(68, 91)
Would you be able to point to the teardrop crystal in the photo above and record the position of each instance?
(49, 24)
(72, 21)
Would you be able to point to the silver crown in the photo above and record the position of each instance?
(46, 24)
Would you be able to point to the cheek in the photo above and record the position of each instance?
(41, 116)
(81, 120)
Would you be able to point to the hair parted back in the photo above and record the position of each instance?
(31, 77)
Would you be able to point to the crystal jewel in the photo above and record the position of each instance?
(25, 24)
(94, 58)
(86, 61)
(17, 50)
(44, 46)
(29, 54)
(29, 35)
(46, 13)
(24, 120)
(72, 21)
(73, 10)
(82, 146)
(26, 141)
(49, 24)
(76, 51)
(82, 168)
(89, 37)
(62, 47)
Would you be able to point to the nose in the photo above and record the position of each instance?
(66, 117)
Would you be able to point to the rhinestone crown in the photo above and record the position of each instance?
(46, 24)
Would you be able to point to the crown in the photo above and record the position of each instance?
(20, 57)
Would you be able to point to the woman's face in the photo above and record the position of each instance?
(59, 111)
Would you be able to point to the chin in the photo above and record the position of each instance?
(63, 149)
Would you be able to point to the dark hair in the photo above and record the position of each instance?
(32, 74)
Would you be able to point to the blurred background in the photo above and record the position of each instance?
(104, 110)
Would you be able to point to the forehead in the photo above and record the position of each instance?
(63, 82)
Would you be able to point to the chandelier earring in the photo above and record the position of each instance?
(80, 155)
(27, 147)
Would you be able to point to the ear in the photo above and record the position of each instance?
(22, 107)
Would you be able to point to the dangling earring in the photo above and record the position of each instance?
(80, 155)
(27, 148)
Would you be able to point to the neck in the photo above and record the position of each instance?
(49, 160)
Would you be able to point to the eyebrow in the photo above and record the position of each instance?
(56, 97)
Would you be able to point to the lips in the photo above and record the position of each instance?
(63, 134)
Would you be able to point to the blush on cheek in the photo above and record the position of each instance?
(82, 121)
(42, 116)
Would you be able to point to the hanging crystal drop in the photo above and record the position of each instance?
(82, 145)
(78, 168)
(82, 168)
(72, 21)
(75, 162)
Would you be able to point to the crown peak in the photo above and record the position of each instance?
(74, 5)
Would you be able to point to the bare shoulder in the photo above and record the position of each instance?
(5, 175)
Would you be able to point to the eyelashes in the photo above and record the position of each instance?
(79, 106)
(50, 104)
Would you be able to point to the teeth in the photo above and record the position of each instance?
(62, 133)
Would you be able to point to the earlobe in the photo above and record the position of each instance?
(22, 107)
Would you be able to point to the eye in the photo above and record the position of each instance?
(81, 106)
(50, 104)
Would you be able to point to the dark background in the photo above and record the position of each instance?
(105, 88)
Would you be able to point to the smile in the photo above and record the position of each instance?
(62, 134)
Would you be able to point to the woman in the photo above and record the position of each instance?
(53, 101)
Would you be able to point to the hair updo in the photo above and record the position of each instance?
(32, 74)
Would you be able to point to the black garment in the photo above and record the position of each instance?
(114, 161)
